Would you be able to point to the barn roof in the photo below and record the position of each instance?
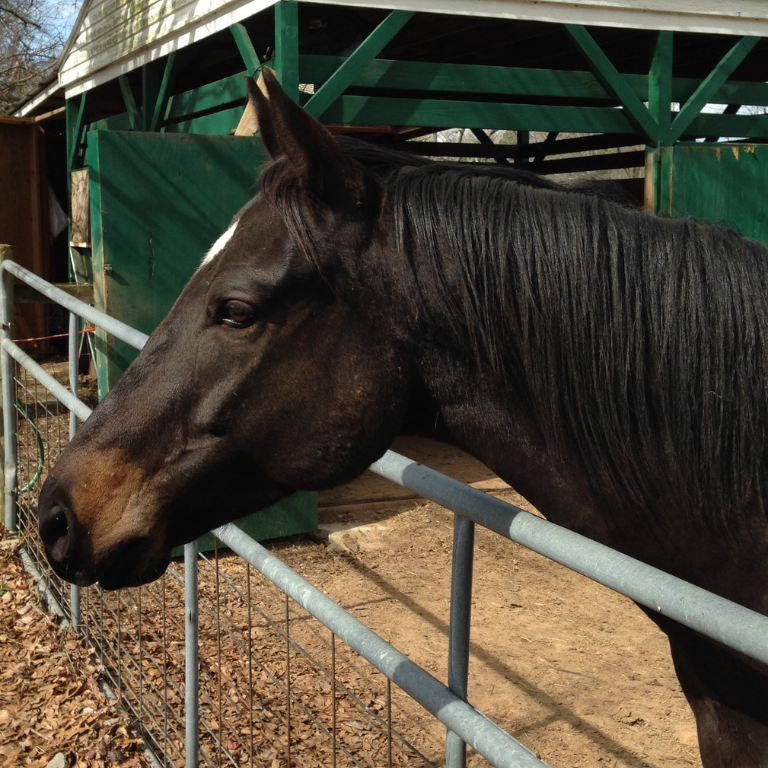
(113, 37)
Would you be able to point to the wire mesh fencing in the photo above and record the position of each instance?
(233, 660)
(274, 686)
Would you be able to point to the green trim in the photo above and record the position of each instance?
(118, 122)
(245, 46)
(97, 258)
(150, 90)
(706, 91)
(134, 115)
(220, 123)
(211, 96)
(743, 126)
(467, 78)
(75, 126)
(513, 81)
(353, 65)
(370, 110)
(660, 86)
(613, 82)
(287, 46)
(166, 84)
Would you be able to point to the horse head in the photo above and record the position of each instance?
(272, 373)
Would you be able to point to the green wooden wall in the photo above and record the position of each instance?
(725, 183)
(157, 202)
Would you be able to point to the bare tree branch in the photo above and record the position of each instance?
(20, 16)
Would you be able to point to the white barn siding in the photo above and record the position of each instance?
(115, 36)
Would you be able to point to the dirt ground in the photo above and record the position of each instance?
(575, 672)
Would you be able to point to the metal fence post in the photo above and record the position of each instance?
(9, 411)
(458, 637)
(191, 655)
(74, 360)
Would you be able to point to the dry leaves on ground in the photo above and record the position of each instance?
(50, 699)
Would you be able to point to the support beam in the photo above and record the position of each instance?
(711, 85)
(287, 47)
(75, 125)
(345, 75)
(134, 115)
(614, 83)
(150, 89)
(245, 47)
(161, 102)
(489, 146)
(660, 86)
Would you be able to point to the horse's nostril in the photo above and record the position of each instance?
(56, 529)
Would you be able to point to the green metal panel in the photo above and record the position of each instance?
(158, 201)
(718, 182)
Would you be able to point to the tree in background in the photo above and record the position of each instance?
(32, 35)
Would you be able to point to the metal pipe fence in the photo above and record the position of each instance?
(214, 675)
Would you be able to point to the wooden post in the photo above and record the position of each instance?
(6, 253)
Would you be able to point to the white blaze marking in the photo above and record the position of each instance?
(218, 246)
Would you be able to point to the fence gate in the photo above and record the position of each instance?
(162, 645)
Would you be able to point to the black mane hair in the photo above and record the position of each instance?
(637, 344)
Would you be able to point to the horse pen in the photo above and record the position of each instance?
(562, 663)
(229, 659)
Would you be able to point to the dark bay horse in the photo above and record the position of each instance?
(611, 366)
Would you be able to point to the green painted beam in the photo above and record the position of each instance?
(517, 81)
(245, 47)
(710, 86)
(161, 102)
(469, 78)
(150, 89)
(75, 126)
(220, 93)
(744, 126)
(660, 85)
(287, 46)
(370, 110)
(134, 115)
(221, 123)
(353, 65)
(613, 82)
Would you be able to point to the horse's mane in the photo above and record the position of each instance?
(637, 344)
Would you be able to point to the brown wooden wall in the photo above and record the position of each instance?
(24, 216)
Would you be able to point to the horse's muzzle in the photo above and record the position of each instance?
(59, 529)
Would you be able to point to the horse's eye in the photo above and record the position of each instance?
(237, 314)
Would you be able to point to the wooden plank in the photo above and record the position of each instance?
(513, 81)
(743, 126)
(217, 124)
(614, 83)
(222, 92)
(80, 202)
(287, 46)
(470, 114)
(543, 148)
(25, 294)
(660, 86)
(134, 116)
(354, 64)
(245, 47)
(162, 97)
(705, 92)
(469, 78)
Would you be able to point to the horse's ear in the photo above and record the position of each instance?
(286, 129)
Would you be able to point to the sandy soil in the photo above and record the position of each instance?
(577, 673)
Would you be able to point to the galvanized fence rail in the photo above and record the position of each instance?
(186, 705)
